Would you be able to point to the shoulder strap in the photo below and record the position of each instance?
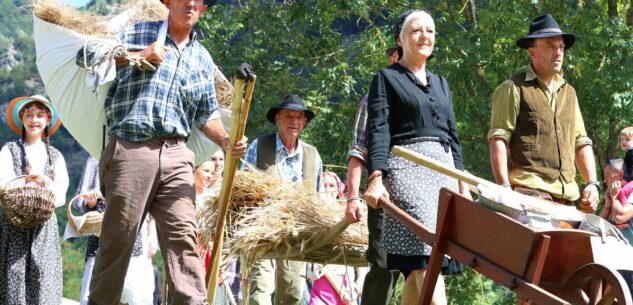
(266, 151)
(309, 164)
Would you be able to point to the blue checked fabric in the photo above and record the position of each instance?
(143, 104)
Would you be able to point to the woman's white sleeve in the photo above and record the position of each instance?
(6, 166)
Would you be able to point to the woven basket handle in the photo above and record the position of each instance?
(69, 212)
(12, 180)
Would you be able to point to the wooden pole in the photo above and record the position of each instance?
(560, 211)
(439, 167)
(239, 115)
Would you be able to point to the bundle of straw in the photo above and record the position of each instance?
(269, 218)
(83, 22)
(86, 23)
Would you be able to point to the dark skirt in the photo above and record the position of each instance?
(30, 263)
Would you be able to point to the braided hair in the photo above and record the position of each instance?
(26, 167)
(49, 152)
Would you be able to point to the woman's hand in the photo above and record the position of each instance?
(375, 190)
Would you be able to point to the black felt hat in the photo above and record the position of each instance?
(291, 102)
(542, 27)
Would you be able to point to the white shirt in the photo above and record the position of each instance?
(38, 157)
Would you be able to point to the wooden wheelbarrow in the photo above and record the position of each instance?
(560, 266)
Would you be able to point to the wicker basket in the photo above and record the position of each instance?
(91, 221)
(27, 206)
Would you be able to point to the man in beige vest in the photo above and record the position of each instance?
(296, 161)
(537, 133)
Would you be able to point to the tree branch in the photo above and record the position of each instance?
(629, 15)
(613, 8)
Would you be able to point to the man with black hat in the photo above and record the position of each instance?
(146, 166)
(537, 120)
(295, 161)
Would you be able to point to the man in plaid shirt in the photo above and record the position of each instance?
(146, 166)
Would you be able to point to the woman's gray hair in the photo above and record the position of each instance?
(404, 20)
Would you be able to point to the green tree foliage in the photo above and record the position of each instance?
(327, 51)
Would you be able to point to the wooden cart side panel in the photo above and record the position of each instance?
(568, 251)
(489, 234)
(494, 272)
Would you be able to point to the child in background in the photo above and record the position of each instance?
(30, 258)
(625, 186)
(349, 280)
(626, 143)
(208, 181)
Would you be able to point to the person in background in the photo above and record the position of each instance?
(618, 206)
(294, 161)
(626, 144)
(30, 258)
(379, 283)
(348, 280)
(139, 282)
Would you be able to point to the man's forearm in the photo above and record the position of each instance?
(214, 130)
(499, 160)
(586, 163)
(354, 174)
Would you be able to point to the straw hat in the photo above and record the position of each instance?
(13, 113)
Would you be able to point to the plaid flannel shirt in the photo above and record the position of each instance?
(143, 104)
(359, 134)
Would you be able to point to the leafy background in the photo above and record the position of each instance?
(327, 51)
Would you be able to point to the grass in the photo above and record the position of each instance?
(73, 259)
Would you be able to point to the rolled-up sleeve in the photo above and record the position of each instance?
(378, 136)
(579, 128)
(209, 103)
(358, 149)
(94, 51)
(505, 109)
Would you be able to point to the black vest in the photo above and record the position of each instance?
(266, 157)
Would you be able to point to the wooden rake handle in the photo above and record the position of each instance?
(243, 92)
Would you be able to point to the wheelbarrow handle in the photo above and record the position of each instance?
(419, 229)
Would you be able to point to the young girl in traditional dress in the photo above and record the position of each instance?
(30, 259)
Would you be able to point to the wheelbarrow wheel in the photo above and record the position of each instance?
(594, 284)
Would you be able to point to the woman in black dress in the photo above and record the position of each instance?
(411, 107)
